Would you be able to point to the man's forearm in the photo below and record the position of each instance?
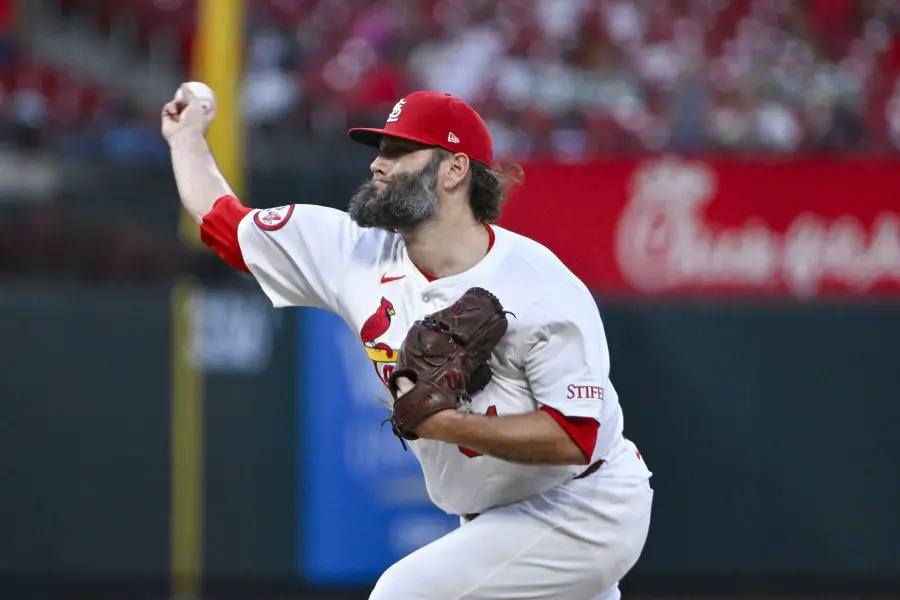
(532, 438)
(200, 183)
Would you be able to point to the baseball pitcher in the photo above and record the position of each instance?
(493, 352)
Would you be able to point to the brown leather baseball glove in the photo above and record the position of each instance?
(445, 355)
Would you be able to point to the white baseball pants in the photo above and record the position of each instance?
(574, 542)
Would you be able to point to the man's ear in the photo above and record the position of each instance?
(456, 170)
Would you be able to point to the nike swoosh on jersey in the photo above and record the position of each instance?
(386, 279)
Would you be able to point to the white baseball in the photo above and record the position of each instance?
(201, 91)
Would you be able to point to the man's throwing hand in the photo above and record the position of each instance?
(187, 114)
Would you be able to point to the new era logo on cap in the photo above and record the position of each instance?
(434, 119)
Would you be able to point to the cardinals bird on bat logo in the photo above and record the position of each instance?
(381, 354)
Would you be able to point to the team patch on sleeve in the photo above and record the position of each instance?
(272, 219)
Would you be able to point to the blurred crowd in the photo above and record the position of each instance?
(572, 78)
(560, 79)
(565, 79)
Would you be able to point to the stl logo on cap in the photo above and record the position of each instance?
(395, 113)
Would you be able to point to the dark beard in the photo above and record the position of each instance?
(407, 200)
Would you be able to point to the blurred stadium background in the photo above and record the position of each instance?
(723, 174)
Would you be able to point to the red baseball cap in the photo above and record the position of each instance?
(434, 119)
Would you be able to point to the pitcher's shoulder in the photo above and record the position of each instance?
(530, 260)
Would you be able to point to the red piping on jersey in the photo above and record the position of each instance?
(219, 230)
(491, 238)
(582, 430)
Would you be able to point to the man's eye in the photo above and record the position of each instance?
(394, 150)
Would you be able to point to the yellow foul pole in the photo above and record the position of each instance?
(217, 61)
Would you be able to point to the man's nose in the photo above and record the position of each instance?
(379, 166)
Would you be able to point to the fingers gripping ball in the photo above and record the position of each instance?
(201, 92)
(445, 356)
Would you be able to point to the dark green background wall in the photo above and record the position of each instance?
(772, 432)
(84, 442)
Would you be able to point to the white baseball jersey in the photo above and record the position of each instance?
(554, 352)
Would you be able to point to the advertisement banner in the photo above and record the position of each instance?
(363, 503)
(669, 226)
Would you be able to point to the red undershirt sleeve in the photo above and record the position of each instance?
(219, 231)
(582, 430)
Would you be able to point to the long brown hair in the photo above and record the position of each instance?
(489, 188)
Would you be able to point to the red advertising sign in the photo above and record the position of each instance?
(673, 226)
